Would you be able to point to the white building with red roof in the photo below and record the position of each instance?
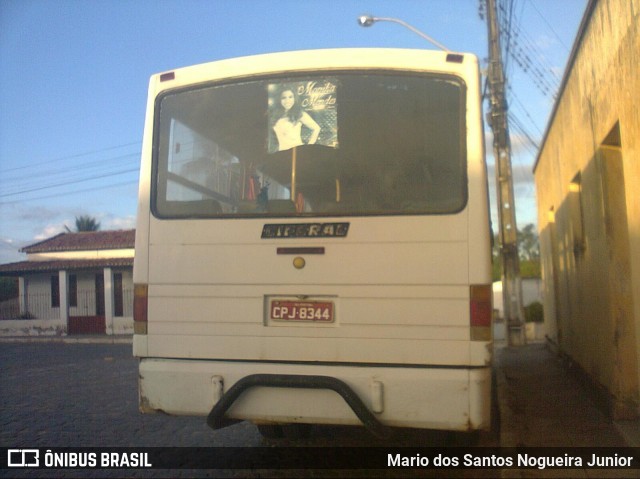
(72, 283)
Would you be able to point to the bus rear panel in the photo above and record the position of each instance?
(313, 241)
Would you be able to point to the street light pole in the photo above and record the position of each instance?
(511, 282)
(368, 20)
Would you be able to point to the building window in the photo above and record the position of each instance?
(613, 138)
(576, 215)
(99, 282)
(73, 290)
(118, 295)
(55, 291)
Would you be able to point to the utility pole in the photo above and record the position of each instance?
(511, 282)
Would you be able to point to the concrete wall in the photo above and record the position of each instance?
(35, 291)
(38, 302)
(33, 327)
(84, 254)
(588, 184)
(531, 292)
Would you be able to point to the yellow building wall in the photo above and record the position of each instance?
(587, 184)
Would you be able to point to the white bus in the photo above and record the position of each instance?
(313, 242)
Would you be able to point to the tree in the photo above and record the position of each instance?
(528, 253)
(85, 223)
(528, 246)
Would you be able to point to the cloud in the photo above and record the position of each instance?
(49, 231)
(523, 181)
(110, 222)
(545, 42)
(557, 71)
(30, 219)
(38, 213)
(107, 222)
(23, 225)
(520, 172)
(520, 146)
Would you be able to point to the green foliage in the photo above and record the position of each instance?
(528, 245)
(530, 269)
(534, 313)
(496, 268)
(528, 252)
(85, 223)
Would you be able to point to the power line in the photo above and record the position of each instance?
(505, 18)
(519, 48)
(512, 95)
(65, 158)
(72, 167)
(533, 62)
(523, 131)
(66, 183)
(549, 26)
(105, 187)
(28, 179)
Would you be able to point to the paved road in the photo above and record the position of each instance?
(72, 395)
(56, 395)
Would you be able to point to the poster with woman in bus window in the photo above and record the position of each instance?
(302, 113)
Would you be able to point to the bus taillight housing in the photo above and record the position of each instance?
(140, 303)
(481, 311)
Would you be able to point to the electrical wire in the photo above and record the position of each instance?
(23, 181)
(519, 48)
(67, 193)
(549, 25)
(69, 157)
(64, 171)
(71, 182)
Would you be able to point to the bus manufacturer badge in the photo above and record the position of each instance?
(305, 230)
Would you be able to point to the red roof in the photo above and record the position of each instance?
(85, 241)
(22, 267)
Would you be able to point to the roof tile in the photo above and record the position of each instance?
(84, 241)
(22, 267)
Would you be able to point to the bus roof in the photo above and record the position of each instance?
(462, 64)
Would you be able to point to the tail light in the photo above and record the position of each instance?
(481, 312)
(140, 302)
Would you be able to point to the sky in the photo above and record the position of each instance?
(74, 77)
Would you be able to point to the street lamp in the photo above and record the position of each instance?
(511, 281)
(368, 20)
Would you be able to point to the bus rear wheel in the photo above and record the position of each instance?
(289, 431)
(271, 431)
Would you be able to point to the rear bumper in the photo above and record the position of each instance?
(420, 397)
(217, 417)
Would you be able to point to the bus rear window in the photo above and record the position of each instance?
(317, 145)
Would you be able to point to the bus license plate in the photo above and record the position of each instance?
(321, 311)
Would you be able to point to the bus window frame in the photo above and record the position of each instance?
(156, 186)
